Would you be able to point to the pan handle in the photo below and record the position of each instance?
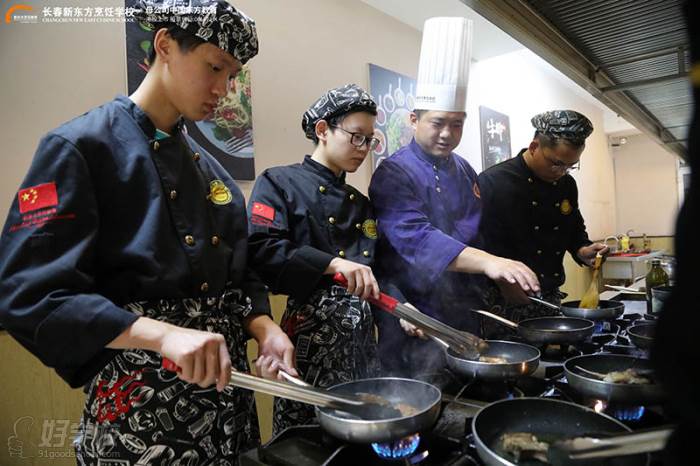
(544, 303)
(502, 320)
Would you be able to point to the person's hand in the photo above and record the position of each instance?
(587, 253)
(512, 272)
(275, 353)
(202, 357)
(361, 281)
(410, 329)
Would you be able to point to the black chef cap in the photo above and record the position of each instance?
(563, 124)
(214, 21)
(335, 102)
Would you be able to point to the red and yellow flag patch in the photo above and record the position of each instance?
(37, 197)
(262, 210)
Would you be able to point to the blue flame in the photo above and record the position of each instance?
(628, 414)
(397, 449)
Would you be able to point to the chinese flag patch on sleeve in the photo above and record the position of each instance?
(262, 210)
(37, 197)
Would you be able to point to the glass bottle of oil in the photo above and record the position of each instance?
(656, 276)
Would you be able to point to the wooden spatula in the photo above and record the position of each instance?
(591, 299)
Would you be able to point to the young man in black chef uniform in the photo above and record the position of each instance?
(306, 224)
(124, 244)
(531, 212)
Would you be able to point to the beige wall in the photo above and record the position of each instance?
(646, 187)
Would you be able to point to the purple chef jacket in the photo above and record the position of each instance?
(428, 210)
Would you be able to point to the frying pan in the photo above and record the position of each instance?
(606, 310)
(377, 424)
(423, 397)
(548, 419)
(642, 335)
(548, 330)
(521, 360)
(593, 387)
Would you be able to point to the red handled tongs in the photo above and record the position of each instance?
(464, 343)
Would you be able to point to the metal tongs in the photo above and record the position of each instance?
(578, 450)
(464, 343)
(353, 404)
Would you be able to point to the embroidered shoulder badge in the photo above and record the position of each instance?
(219, 193)
(369, 228)
(565, 207)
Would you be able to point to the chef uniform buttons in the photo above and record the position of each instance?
(530, 180)
(556, 228)
(437, 178)
(537, 227)
(558, 253)
(352, 197)
(173, 195)
(365, 253)
(215, 240)
(204, 287)
(556, 274)
(156, 145)
(539, 251)
(556, 204)
(341, 253)
(331, 220)
(358, 226)
(322, 189)
(435, 167)
(438, 189)
(534, 203)
(189, 240)
(196, 156)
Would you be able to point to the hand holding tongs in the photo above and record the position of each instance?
(461, 342)
(305, 393)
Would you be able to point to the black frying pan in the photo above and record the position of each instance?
(593, 387)
(549, 330)
(521, 359)
(550, 420)
(606, 310)
(642, 335)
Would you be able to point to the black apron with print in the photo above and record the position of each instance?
(334, 339)
(139, 414)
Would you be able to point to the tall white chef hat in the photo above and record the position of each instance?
(443, 71)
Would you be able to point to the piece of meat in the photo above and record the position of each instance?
(524, 445)
(493, 360)
(629, 376)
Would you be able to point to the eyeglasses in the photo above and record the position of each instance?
(559, 166)
(359, 140)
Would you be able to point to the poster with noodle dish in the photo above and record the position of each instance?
(227, 132)
(394, 94)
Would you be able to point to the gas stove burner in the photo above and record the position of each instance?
(619, 412)
(397, 449)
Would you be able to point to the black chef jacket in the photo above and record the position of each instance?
(530, 220)
(107, 215)
(301, 217)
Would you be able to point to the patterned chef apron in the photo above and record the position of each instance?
(139, 414)
(334, 337)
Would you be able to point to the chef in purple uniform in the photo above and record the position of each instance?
(428, 209)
